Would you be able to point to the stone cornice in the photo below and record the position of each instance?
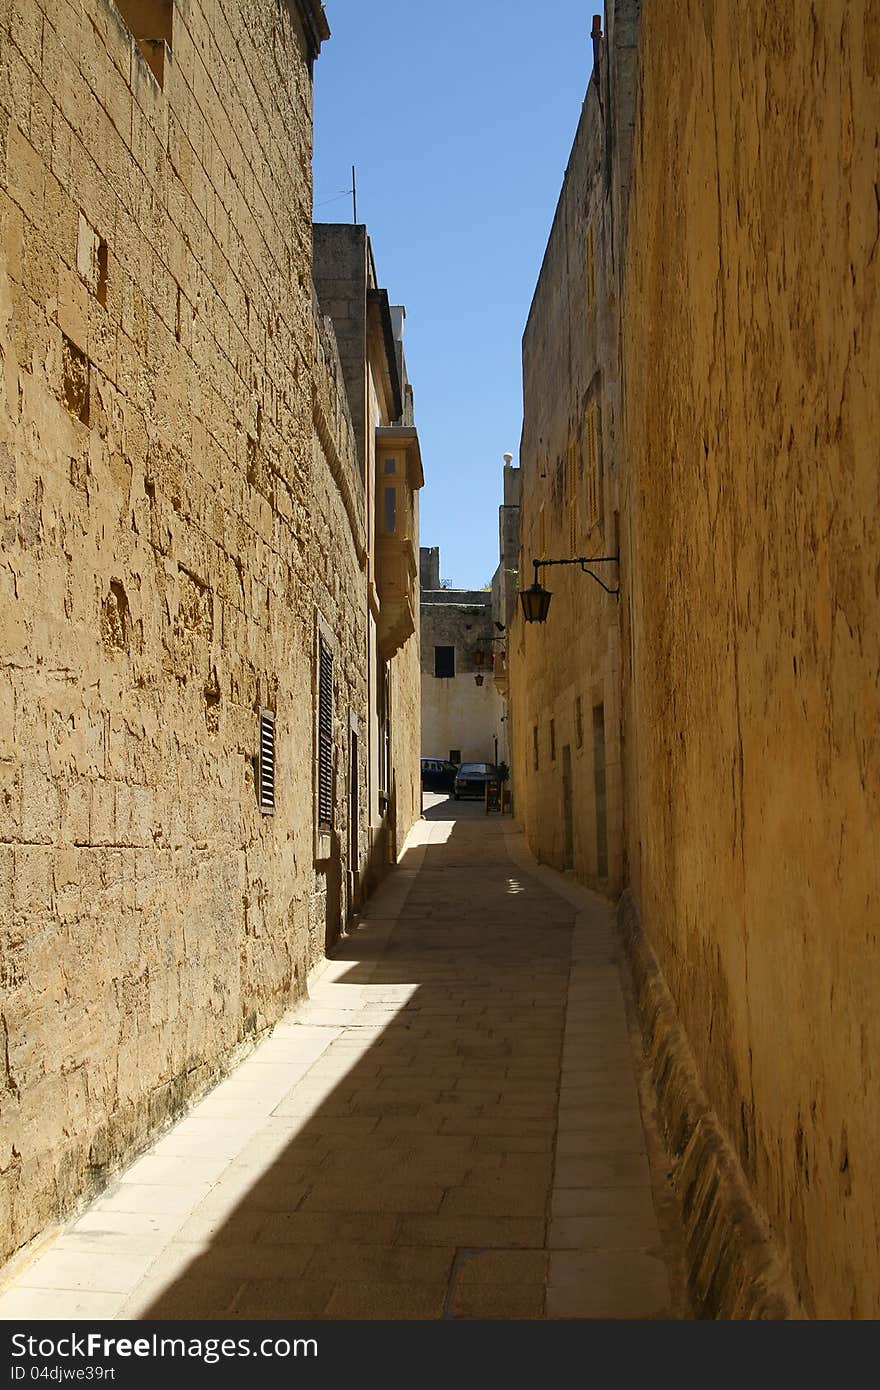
(315, 24)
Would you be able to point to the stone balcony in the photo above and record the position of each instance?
(398, 477)
(396, 571)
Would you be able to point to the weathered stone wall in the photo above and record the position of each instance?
(752, 654)
(169, 530)
(567, 668)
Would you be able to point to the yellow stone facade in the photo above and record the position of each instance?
(745, 275)
(751, 569)
(564, 674)
(184, 512)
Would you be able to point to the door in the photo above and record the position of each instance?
(599, 788)
(354, 816)
(567, 809)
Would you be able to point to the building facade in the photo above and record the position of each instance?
(462, 711)
(711, 287)
(369, 334)
(565, 675)
(192, 593)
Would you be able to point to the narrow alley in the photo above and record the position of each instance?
(450, 1127)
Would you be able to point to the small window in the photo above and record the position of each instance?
(325, 737)
(266, 763)
(390, 510)
(444, 662)
(150, 21)
(535, 746)
(592, 458)
(571, 492)
(591, 267)
(553, 740)
(455, 756)
(390, 465)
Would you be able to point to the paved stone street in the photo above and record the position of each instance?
(450, 1127)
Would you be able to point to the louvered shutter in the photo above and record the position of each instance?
(325, 737)
(266, 763)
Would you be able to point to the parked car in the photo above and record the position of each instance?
(471, 779)
(438, 775)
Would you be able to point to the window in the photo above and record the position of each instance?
(579, 722)
(325, 737)
(592, 465)
(150, 22)
(266, 763)
(591, 267)
(390, 466)
(571, 496)
(455, 755)
(553, 740)
(535, 746)
(390, 510)
(444, 662)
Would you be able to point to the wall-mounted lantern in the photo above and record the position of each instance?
(479, 678)
(536, 599)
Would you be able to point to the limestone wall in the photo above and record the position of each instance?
(564, 682)
(169, 534)
(752, 648)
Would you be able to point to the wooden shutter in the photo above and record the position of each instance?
(325, 737)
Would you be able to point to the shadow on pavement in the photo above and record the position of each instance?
(408, 1174)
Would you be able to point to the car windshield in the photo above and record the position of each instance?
(474, 767)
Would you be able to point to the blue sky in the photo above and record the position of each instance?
(459, 121)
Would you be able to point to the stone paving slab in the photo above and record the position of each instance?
(449, 1127)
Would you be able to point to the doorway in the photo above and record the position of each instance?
(599, 789)
(567, 808)
(354, 816)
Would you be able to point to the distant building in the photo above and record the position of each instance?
(505, 589)
(462, 712)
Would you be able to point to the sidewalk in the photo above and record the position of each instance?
(449, 1127)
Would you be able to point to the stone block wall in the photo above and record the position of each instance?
(564, 673)
(169, 531)
(750, 563)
